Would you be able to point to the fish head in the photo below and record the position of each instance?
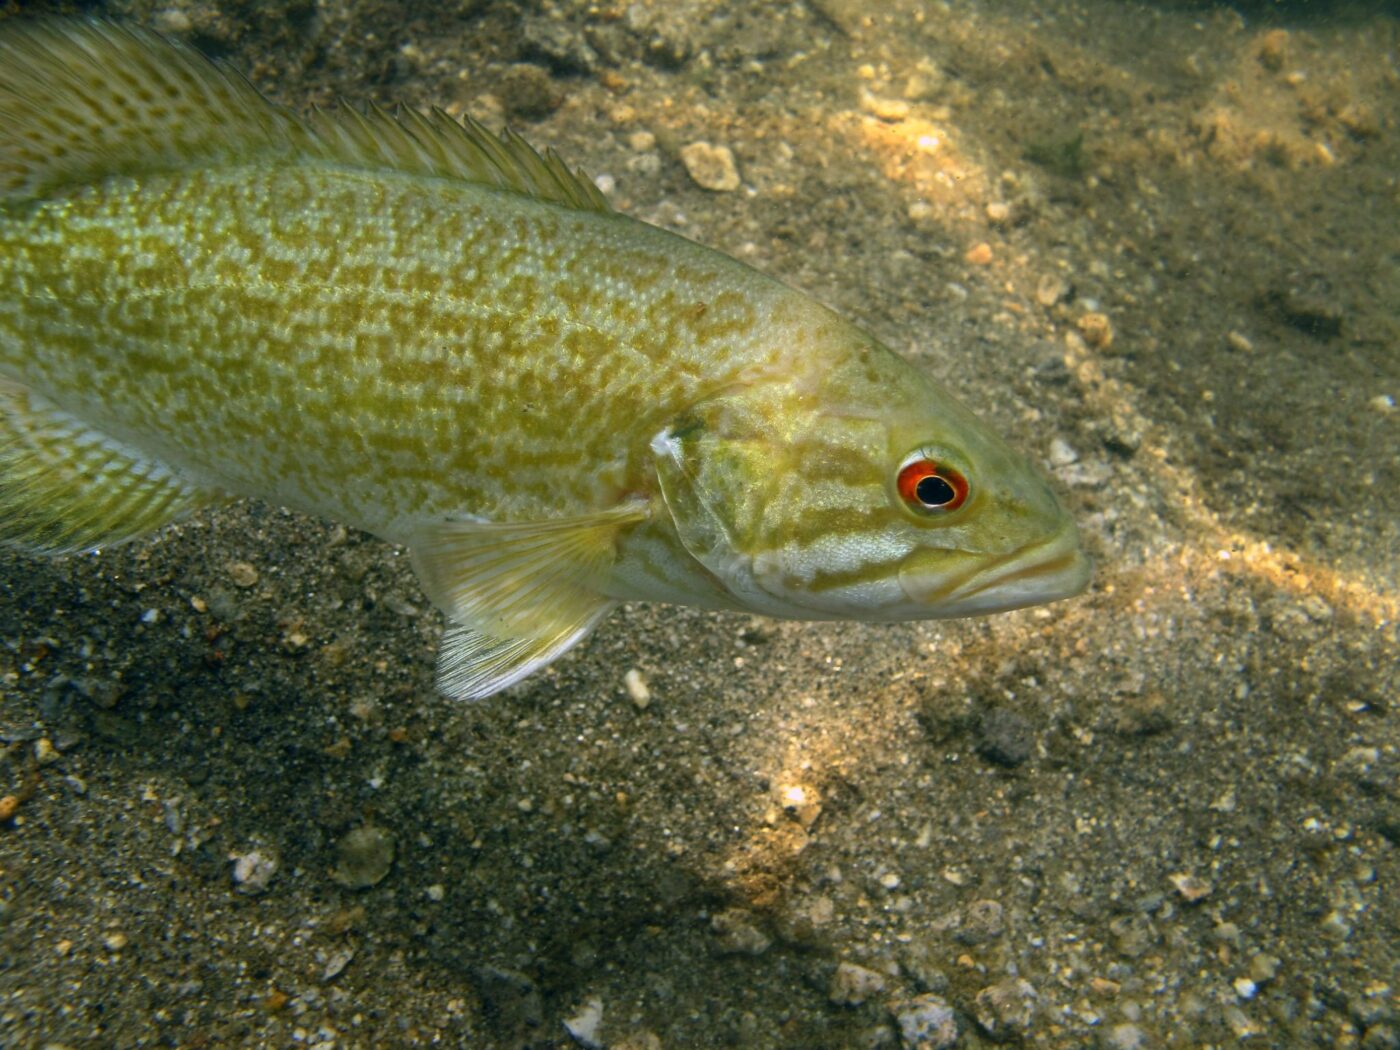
(862, 490)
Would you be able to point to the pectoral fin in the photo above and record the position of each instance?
(519, 595)
(65, 486)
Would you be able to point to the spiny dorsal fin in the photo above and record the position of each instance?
(82, 101)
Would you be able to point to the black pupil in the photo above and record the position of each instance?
(934, 491)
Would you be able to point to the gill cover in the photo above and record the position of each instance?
(711, 465)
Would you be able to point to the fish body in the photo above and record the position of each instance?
(441, 337)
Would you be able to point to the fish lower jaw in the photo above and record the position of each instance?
(1045, 572)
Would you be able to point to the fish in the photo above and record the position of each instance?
(440, 336)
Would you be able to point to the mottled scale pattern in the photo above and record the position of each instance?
(385, 349)
(440, 336)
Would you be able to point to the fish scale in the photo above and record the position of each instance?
(448, 340)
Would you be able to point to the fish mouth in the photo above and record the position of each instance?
(1042, 572)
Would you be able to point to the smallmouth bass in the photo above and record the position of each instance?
(446, 339)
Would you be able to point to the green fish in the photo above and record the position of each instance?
(446, 339)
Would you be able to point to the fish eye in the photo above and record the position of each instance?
(928, 487)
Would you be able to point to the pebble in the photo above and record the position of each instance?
(711, 167)
(252, 871)
(998, 213)
(335, 965)
(1240, 342)
(1096, 329)
(1273, 49)
(1004, 737)
(1094, 474)
(926, 1022)
(45, 753)
(1050, 289)
(887, 109)
(363, 857)
(1240, 1023)
(985, 920)
(922, 963)
(1264, 968)
(583, 1026)
(1006, 1009)
(637, 688)
(802, 802)
(561, 45)
(1062, 453)
(243, 574)
(647, 165)
(1336, 926)
(173, 21)
(1190, 887)
(737, 933)
(1124, 1037)
(527, 92)
(852, 985)
(979, 254)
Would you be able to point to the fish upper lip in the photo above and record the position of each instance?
(1057, 559)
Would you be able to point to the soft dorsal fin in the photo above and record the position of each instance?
(81, 101)
(407, 141)
(86, 100)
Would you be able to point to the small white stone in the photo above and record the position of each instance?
(1062, 453)
(637, 688)
(173, 21)
(1245, 988)
(583, 1026)
(335, 965)
(252, 871)
(435, 892)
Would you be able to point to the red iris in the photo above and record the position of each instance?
(925, 486)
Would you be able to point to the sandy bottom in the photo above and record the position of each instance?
(1156, 244)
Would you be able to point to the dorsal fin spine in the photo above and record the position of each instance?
(85, 100)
